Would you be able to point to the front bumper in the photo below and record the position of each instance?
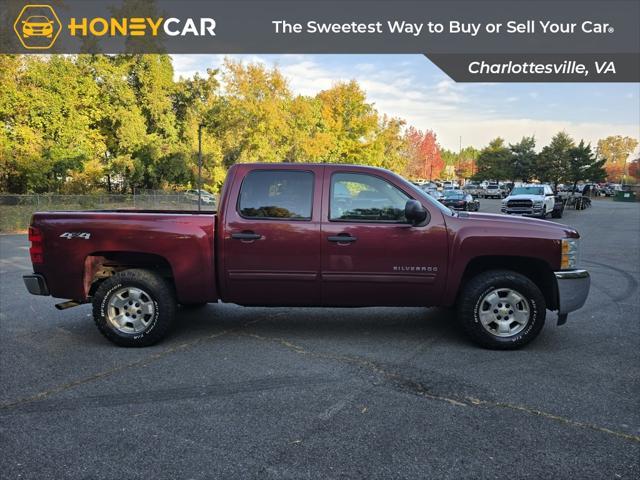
(36, 284)
(573, 289)
(534, 211)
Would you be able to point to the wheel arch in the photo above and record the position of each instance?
(537, 270)
(99, 266)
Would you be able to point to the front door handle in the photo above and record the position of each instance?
(342, 238)
(246, 236)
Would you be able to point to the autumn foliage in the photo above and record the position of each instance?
(634, 169)
(424, 159)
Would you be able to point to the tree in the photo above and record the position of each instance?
(424, 159)
(47, 112)
(583, 164)
(466, 162)
(523, 159)
(194, 100)
(616, 149)
(494, 162)
(634, 169)
(553, 161)
(350, 122)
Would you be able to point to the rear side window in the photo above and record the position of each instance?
(276, 194)
(365, 198)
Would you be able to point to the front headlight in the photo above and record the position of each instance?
(538, 202)
(569, 253)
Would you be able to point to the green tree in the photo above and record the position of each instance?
(523, 159)
(494, 162)
(583, 164)
(251, 119)
(194, 101)
(553, 161)
(48, 110)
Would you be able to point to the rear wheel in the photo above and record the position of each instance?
(134, 308)
(501, 309)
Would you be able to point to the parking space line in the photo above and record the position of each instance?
(107, 373)
(418, 389)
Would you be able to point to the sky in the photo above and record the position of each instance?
(467, 114)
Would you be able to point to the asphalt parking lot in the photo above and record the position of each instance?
(335, 393)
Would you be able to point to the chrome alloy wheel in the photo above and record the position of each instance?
(130, 310)
(504, 312)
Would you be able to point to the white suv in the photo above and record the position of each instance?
(529, 200)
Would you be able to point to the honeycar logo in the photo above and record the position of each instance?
(37, 27)
(141, 26)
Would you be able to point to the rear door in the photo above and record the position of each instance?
(271, 252)
(371, 255)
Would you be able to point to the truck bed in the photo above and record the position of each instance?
(77, 244)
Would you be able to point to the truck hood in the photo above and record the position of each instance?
(526, 226)
(525, 197)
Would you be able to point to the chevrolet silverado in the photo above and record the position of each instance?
(312, 235)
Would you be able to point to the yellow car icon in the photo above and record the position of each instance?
(37, 26)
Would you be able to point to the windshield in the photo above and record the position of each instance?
(422, 194)
(527, 191)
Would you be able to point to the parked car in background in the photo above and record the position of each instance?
(473, 188)
(434, 192)
(207, 198)
(460, 200)
(493, 190)
(428, 186)
(448, 186)
(532, 201)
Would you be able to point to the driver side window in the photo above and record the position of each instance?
(365, 198)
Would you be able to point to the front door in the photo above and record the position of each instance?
(271, 252)
(371, 255)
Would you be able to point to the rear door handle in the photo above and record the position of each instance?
(343, 238)
(246, 236)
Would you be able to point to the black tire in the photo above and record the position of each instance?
(156, 292)
(471, 301)
(557, 213)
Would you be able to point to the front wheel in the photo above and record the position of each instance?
(501, 310)
(557, 213)
(134, 308)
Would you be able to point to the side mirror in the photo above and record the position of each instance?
(415, 212)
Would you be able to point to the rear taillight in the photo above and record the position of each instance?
(36, 252)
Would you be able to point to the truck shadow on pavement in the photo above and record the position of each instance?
(325, 324)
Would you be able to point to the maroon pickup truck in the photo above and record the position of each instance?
(319, 235)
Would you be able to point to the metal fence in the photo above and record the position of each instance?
(16, 210)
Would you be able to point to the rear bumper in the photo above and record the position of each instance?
(36, 284)
(573, 289)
